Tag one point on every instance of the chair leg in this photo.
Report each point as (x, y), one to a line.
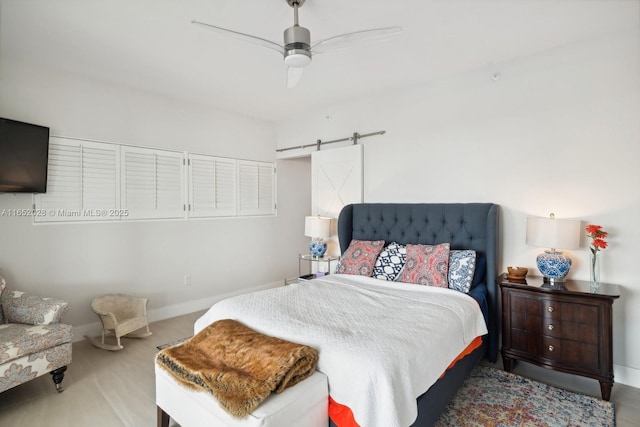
(118, 338)
(163, 418)
(58, 375)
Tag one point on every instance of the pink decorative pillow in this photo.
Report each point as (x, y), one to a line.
(360, 257)
(427, 265)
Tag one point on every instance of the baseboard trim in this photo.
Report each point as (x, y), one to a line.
(167, 312)
(626, 375)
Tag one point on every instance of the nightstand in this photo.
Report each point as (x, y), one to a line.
(311, 259)
(565, 328)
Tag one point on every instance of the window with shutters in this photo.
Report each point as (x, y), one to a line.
(152, 183)
(256, 189)
(89, 181)
(83, 182)
(212, 186)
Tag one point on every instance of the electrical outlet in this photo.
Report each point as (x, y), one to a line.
(187, 280)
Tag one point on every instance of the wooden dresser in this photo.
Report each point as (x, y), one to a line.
(565, 328)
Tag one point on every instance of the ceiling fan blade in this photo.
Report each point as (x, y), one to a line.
(344, 41)
(241, 36)
(293, 76)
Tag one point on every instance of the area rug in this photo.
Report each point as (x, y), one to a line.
(172, 343)
(495, 398)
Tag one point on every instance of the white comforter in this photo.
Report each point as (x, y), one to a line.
(382, 344)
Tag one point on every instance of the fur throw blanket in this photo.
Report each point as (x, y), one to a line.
(238, 365)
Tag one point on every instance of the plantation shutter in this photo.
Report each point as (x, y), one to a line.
(82, 182)
(89, 181)
(212, 182)
(256, 187)
(152, 183)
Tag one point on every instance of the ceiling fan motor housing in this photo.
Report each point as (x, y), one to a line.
(297, 46)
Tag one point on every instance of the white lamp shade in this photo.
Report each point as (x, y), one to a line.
(317, 226)
(553, 233)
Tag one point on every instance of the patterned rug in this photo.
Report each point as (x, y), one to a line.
(495, 398)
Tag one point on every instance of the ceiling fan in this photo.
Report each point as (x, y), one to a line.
(297, 48)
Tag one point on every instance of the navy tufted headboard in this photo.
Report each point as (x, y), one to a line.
(463, 225)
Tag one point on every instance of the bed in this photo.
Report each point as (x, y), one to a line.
(342, 315)
(464, 225)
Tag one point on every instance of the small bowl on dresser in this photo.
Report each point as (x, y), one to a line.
(518, 274)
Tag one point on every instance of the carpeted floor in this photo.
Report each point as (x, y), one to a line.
(495, 398)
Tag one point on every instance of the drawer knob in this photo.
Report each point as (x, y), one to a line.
(551, 348)
(550, 327)
(550, 309)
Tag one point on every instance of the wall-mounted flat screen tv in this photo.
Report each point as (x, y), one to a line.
(24, 155)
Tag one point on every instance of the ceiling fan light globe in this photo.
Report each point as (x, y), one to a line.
(297, 58)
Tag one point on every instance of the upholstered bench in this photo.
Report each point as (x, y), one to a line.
(303, 405)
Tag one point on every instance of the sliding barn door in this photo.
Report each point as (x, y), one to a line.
(336, 180)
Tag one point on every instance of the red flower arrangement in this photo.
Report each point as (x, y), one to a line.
(598, 237)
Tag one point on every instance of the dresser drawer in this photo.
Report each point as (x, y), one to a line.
(572, 353)
(575, 312)
(576, 331)
(526, 342)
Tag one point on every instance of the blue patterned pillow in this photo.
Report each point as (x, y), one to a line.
(390, 262)
(481, 269)
(462, 264)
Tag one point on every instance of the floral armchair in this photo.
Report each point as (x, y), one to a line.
(32, 339)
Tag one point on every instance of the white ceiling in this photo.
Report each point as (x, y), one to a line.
(152, 45)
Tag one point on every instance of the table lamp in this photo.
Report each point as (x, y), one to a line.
(318, 228)
(554, 234)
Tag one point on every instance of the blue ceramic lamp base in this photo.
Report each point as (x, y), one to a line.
(318, 247)
(554, 266)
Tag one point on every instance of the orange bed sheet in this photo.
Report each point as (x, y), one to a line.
(342, 416)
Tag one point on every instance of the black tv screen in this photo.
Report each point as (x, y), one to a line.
(24, 154)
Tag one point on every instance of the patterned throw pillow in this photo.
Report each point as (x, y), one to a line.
(360, 257)
(390, 262)
(3, 284)
(462, 264)
(20, 307)
(427, 265)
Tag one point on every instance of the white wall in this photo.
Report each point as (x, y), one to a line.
(80, 261)
(559, 132)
